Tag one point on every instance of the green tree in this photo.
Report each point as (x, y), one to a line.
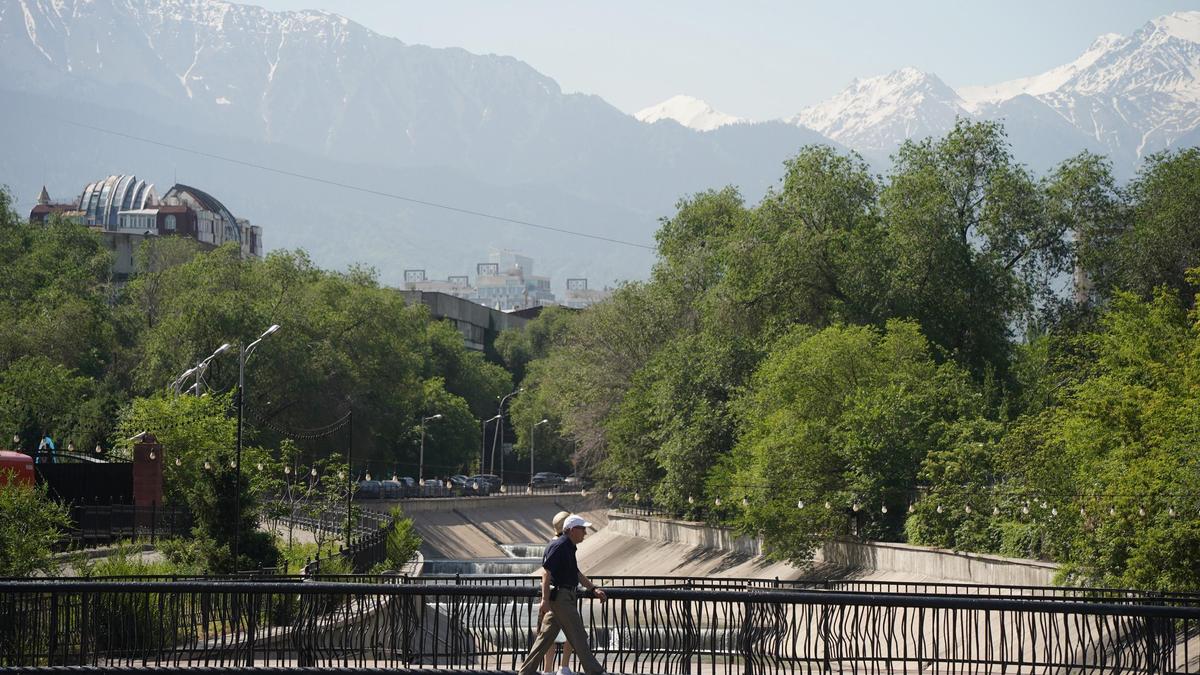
(30, 525)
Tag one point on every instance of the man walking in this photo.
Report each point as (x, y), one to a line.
(560, 577)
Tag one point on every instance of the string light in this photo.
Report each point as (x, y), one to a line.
(800, 504)
(287, 469)
(745, 502)
(717, 501)
(939, 508)
(1054, 511)
(1171, 512)
(995, 510)
(1082, 513)
(911, 508)
(1025, 509)
(207, 465)
(828, 506)
(855, 506)
(1112, 510)
(151, 455)
(637, 496)
(967, 508)
(178, 462)
(691, 499)
(259, 466)
(609, 495)
(1141, 511)
(883, 509)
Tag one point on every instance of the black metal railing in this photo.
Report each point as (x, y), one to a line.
(367, 547)
(395, 624)
(102, 524)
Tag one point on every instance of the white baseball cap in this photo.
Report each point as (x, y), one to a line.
(574, 521)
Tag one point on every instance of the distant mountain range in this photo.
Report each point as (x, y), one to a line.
(313, 93)
(1124, 97)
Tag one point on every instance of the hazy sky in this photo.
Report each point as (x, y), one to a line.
(748, 57)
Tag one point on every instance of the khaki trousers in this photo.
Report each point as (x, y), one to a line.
(563, 614)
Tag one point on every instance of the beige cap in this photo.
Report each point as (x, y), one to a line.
(559, 518)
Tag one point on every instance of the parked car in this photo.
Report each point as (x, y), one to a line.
(392, 489)
(547, 478)
(492, 481)
(369, 489)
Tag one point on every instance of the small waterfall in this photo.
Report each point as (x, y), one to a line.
(524, 550)
(484, 566)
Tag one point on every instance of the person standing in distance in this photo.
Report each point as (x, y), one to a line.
(557, 611)
(559, 638)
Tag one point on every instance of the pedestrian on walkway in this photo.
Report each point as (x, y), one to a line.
(558, 611)
(560, 638)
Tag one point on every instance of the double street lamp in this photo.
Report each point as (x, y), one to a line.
(240, 399)
(500, 433)
(421, 466)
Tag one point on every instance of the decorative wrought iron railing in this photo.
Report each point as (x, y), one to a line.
(397, 624)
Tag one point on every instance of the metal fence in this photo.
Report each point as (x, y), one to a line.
(101, 524)
(395, 624)
(368, 543)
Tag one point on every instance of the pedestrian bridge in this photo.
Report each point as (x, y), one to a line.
(649, 625)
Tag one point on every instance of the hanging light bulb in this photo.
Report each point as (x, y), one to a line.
(178, 462)
(1044, 504)
(1054, 511)
(368, 475)
(259, 466)
(911, 508)
(232, 464)
(1112, 510)
(207, 465)
(1082, 513)
(967, 508)
(609, 495)
(691, 499)
(583, 492)
(995, 510)
(717, 501)
(287, 469)
(313, 473)
(800, 504)
(1171, 512)
(745, 502)
(395, 478)
(97, 446)
(341, 474)
(939, 508)
(883, 509)
(1141, 511)
(828, 506)
(637, 496)
(151, 455)
(855, 506)
(1025, 509)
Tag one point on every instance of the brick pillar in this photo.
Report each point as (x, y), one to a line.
(147, 472)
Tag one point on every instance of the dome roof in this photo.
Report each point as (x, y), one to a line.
(201, 200)
(102, 200)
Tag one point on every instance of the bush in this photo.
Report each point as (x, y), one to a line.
(402, 542)
(30, 525)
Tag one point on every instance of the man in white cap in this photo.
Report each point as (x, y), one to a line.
(560, 578)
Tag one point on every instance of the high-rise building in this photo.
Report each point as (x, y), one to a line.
(507, 282)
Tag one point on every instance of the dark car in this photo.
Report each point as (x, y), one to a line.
(369, 489)
(548, 478)
(392, 489)
(492, 481)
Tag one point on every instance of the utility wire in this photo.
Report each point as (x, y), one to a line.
(356, 188)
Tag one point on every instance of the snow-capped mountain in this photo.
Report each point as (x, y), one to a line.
(1125, 96)
(872, 113)
(688, 111)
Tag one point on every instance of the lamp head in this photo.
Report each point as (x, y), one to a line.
(274, 327)
(222, 349)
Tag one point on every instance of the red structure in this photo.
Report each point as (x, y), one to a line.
(19, 465)
(147, 472)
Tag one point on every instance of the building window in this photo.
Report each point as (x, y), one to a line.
(170, 222)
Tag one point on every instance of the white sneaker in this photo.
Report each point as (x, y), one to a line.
(565, 671)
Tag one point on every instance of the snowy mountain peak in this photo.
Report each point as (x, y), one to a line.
(871, 113)
(688, 111)
(1049, 81)
(1183, 25)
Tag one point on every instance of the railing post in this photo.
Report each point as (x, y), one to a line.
(53, 628)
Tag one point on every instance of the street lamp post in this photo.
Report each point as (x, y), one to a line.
(421, 465)
(245, 353)
(500, 432)
(532, 427)
(483, 442)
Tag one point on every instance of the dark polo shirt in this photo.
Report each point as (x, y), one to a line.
(559, 560)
